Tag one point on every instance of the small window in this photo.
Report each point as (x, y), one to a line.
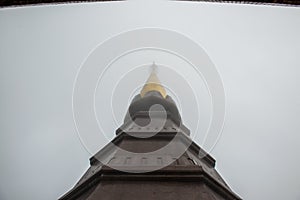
(144, 161)
(159, 161)
(127, 161)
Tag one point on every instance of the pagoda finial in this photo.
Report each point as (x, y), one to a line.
(153, 83)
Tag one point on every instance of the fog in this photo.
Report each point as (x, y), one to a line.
(254, 48)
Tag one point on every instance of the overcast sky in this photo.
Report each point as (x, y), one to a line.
(254, 48)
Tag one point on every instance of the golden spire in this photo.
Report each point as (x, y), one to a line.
(153, 84)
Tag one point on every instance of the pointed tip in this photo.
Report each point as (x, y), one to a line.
(153, 83)
(153, 67)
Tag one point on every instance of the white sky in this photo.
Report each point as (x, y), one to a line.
(255, 49)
